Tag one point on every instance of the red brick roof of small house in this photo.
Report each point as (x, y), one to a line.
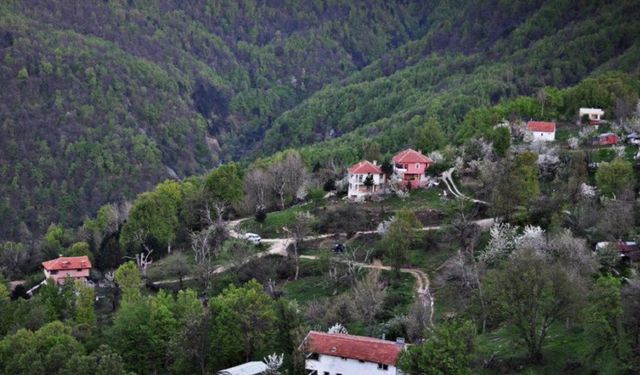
(67, 263)
(411, 156)
(365, 167)
(608, 138)
(541, 126)
(354, 347)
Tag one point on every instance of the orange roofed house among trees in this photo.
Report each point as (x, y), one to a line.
(59, 269)
(411, 167)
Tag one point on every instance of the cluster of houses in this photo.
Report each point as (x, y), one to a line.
(545, 131)
(409, 171)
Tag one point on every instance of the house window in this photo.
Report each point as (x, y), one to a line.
(326, 373)
(360, 178)
(314, 356)
(417, 165)
(344, 358)
(54, 272)
(382, 366)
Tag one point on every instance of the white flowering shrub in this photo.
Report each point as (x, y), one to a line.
(436, 156)
(501, 244)
(587, 191)
(573, 143)
(274, 362)
(338, 328)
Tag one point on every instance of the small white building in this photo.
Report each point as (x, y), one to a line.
(341, 354)
(595, 114)
(249, 368)
(358, 175)
(541, 131)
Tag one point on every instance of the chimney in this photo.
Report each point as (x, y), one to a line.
(375, 162)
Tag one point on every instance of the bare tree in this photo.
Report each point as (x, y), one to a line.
(142, 258)
(257, 186)
(468, 235)
(300, 228)
(616, 220)
(368, 295)
(286, 177)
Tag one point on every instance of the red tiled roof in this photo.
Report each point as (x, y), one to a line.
(411, 156)
(64, 263)
(365, 167)
(353, 347)
(541, 126)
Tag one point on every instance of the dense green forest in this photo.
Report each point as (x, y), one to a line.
(102, 100)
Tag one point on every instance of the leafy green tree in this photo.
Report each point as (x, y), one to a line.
(79, 249)
(45, 351)
(142, 333)
(59, 300)
(5, 310)
(501, 139)
(532, 292)
(103, 361)
(243, 323)
(54, 240)
(519, 186)
(368, 182)
(224, 185)
(400, 235)
(23, 74)
(614, 177)
(154, 217)
(85, 313)
(128, 278)
(448, 349)
(609, 343)
(429, 136)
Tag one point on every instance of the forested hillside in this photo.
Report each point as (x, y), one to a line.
(486, 52)
(102, 100)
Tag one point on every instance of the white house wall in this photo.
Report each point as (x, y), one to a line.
(337, 365)
(356, 181)
(543, 136)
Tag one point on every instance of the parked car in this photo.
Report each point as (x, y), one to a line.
(338, 248)
(253, 238)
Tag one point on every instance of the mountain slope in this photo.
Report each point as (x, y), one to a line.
(557, 44)
(101, 100)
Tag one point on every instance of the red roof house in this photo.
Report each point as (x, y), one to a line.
(365, 167)
(606, 139)
(411, 166)
(358, 175)
(355, 354)
(542, 130)
(74, 267)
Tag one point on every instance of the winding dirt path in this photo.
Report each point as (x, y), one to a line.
(278, 246)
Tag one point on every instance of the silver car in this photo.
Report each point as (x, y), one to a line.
(253, 238)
